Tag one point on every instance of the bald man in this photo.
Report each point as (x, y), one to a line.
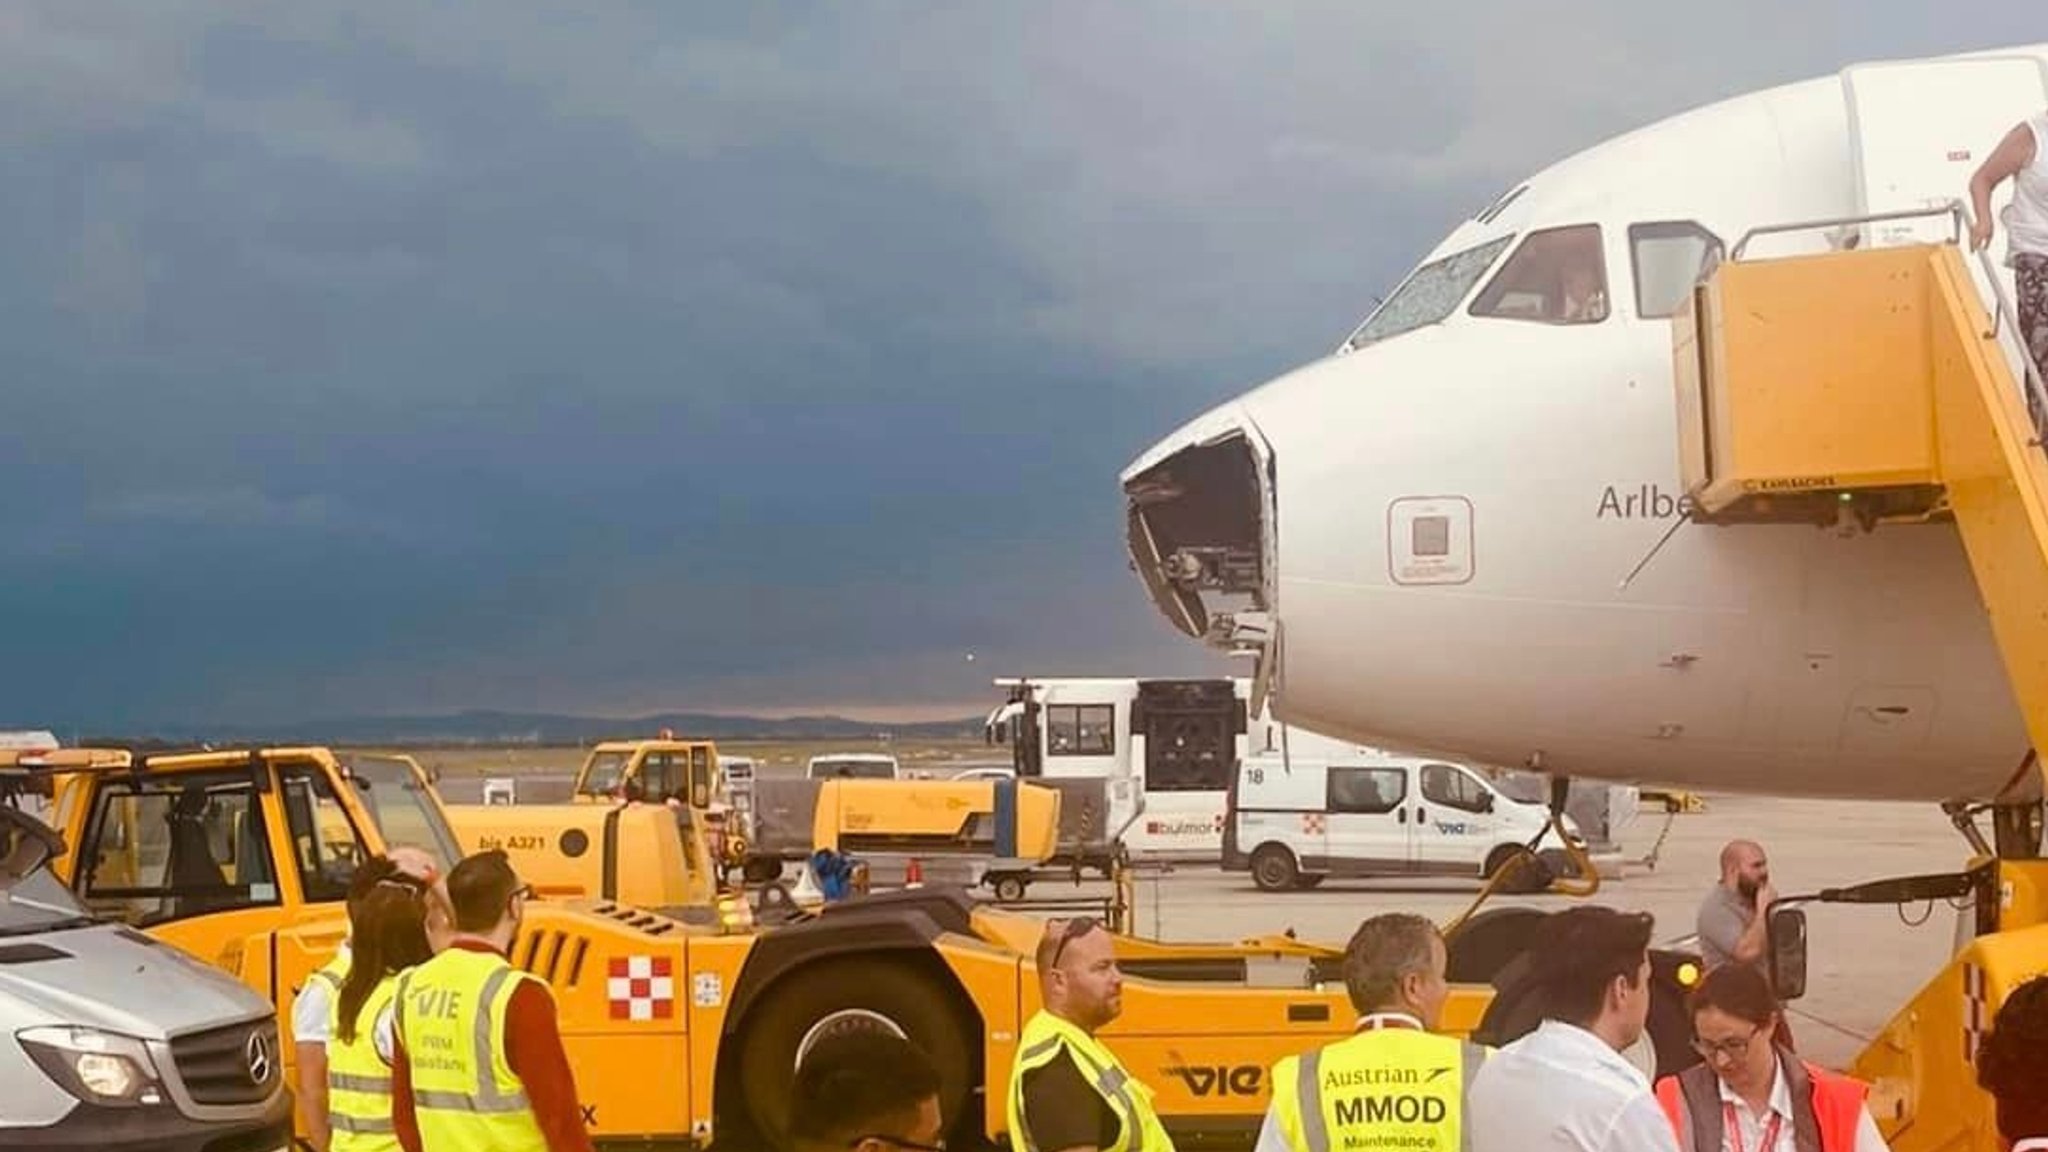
(1731, 922)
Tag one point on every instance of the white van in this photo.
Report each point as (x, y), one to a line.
(1370, 813)
(853, 766)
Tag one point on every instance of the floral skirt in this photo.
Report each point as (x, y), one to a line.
(2030, 283)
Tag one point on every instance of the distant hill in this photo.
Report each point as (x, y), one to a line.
(499, 728)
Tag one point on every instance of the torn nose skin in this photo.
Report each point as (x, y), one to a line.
(1196, 509)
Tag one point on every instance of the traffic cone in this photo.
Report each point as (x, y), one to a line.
(913, 876)
(807, 890)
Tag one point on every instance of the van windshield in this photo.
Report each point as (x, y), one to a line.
(1431, 293)
(31, 899)
(37, 903)
(1523, 788)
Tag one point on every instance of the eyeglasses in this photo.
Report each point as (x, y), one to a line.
(1734, 1049)
(1076, 928)
(896, 1142)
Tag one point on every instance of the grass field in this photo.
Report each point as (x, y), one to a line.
(781, 757)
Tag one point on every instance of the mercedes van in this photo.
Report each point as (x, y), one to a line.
(112, 1041)
(1294, 821)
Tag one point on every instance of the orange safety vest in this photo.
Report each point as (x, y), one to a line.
(1826, 1107)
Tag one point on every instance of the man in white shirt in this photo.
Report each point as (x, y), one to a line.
(1565, 1086)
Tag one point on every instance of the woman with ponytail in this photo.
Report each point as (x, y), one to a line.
(313, 1008)
(387, 935)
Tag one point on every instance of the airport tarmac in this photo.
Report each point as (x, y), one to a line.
(1865, 961)
(1863, 964)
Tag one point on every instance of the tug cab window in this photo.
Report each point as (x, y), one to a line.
(606, 770)
(1557, 276)
(158, 850)
(401, 806)
(661, 776)
(1669, 257)
(325, 843)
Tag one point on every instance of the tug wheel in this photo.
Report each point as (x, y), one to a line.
(1526, 873)
(823, 999)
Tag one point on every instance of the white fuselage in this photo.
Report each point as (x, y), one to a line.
(1774, 659)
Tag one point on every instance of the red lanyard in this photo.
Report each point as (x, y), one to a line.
(1734, 1130)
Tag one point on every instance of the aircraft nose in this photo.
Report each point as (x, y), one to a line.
(1198, 527)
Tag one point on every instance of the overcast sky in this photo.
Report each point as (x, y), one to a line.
(619, 357)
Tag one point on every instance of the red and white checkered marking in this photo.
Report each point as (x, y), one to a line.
(1312, 823)
(1976, 1011)
(642, 988)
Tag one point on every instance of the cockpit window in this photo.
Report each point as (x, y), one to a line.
(1670, 257)
(1557, 276)
(1428, 295)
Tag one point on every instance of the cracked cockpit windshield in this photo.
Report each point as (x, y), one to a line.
(1430, 294)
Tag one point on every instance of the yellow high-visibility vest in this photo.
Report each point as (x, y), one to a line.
(1045, 1036)
(330, 974)
(1404, 1086)
(451, 1019)
(358, 1080)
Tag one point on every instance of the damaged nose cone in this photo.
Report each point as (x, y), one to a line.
(1199, 529)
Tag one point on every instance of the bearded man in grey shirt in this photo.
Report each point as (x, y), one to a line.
(1731, 923)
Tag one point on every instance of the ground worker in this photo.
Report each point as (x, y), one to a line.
(1750, 1094)
(478, 1064)
(1566, 1087)
(1731, 921)
(1067, 1090)
(387, 923)
(1734, 921)
(2012, 1065)
(866, 1091)
(1393, 1080)
(313, 1010)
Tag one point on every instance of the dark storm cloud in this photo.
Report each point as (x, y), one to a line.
(406, 357)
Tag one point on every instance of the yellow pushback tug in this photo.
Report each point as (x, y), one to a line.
(685, 1015)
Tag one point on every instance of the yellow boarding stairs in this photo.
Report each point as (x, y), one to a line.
(1867, 387)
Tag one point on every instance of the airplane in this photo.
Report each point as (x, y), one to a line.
(1463, 532)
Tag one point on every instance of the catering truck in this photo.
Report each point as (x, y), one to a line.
(1166, 748)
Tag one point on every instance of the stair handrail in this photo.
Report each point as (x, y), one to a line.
(2001, 314)
(1952, 209)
